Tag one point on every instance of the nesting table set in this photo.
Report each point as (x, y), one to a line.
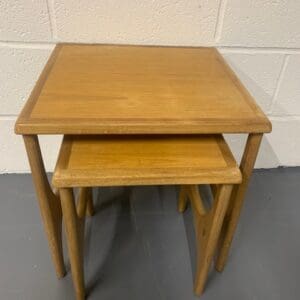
(141, 115)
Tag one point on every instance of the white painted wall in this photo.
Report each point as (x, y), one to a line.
(259, 38)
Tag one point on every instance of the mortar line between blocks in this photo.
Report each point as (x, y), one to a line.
(220, 20)
(8, 117)
(52, 19)
(27, 45)
(257, 50)
(284, 118)
(278, 83)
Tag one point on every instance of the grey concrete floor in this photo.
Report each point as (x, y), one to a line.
(138, 247)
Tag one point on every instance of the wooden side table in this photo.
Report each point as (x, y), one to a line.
(106, 89)
(187, 160)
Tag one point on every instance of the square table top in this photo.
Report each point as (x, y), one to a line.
(110, 89)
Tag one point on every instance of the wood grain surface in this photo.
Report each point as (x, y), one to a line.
(106, 89)
(138, 160)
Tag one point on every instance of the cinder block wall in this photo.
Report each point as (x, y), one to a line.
(259, 38)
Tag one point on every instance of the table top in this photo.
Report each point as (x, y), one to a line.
(113, 160)
(110, 89)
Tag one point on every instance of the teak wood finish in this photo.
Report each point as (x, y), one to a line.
(89, 89)
(106, 89)
(207, 224)
(134, 160)
(49, 203)
(144, 160)
(237, 198)
(74, 220)
(74, 224)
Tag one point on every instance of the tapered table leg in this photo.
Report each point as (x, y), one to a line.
(49, 203)
(90, 204)
(74, 223)
(237, 199)
(182, 200)
(208, 224)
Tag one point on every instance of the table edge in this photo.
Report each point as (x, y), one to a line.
(25, 125)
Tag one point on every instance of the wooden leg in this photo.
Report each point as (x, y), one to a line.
(85, 203)
(74, 233)
(237, 198)
(214, 189)
(207, 226)
(90, 205)
(49, 203)
(182, 200)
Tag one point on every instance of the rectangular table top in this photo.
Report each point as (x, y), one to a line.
(144, 160)
(109, 89)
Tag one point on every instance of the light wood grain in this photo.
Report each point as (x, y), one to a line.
(101, 89)
(237, 199)
(208, 224)
(74, 220)
(85, 204)
(74, 232)
(49, 203)
(104, 89)
(182, 199)
(139, 160)
(90, 205)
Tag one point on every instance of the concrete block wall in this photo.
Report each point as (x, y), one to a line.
(259, 38)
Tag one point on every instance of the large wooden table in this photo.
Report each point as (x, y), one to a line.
(105, 89)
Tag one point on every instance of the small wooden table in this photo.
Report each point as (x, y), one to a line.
(105, 89)
(188, 160)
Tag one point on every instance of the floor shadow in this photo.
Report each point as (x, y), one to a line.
(111, 205)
